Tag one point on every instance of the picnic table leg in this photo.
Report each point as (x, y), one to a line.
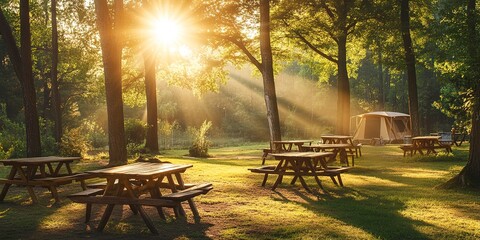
(6, 186)
(312, 169)
(190, 201)
(282, 167)
(155, 192)
(180, 209)
(109, 209)
(147, 220)
(105, 217)
(24, 178)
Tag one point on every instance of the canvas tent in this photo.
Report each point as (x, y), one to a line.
(387, 126)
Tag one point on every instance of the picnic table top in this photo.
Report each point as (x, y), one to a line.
(293, 141)
(337, 136)
(329, 145)
(140, 170)
(38, 160)
(302, 154)
(426, 138)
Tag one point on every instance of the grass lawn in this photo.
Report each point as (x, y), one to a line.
(386, 196)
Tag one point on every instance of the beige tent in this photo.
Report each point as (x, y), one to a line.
(385, 126)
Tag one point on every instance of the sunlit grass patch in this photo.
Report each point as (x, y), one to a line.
(386, 196)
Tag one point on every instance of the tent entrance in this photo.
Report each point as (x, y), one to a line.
(372, 127)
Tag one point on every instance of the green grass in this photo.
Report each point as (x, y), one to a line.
(386, 196)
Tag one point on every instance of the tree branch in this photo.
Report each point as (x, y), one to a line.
(244, 49)
(318, 51)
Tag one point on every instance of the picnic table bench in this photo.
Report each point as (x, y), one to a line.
(299, 165)
(138, 185)
(429, 144)
(40, 172)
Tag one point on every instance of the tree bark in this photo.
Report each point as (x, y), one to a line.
(381, 82)
(343, 88)
(151, 143)
(110, 38)
(470, 174)
(267, 72)
(410, 62)
(22, 63)
(56, 101)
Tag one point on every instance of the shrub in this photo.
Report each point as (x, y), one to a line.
(200, 144)
(49, 145)
(74, 143)
(96, 135)
(135, 131)
(12, 136)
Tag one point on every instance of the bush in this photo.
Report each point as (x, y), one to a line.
(96, 135)
(12, 137)
(200, 144)
(49, 145)
(74, 143)
(135, 131)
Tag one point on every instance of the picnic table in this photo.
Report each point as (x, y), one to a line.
(300, 165)
(425, 143)
(343, 139)
(129, 185)
(49, 172)
(283, 146)
(286, 145)
(337, 149)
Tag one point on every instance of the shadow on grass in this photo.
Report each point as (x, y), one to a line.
(377, 216)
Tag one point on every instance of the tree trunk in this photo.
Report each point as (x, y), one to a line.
(343, 88)
(56, 101)
(151, 143)
(267, 72)
(29, 95)
(381, 82)
(110, 39)
(410, 61)
(22, 64)
(470, 174)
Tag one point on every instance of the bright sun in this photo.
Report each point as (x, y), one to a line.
(167, 31)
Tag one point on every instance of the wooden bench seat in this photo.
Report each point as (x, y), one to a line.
(407, 148)
(329, 171)
(161, 185)
(172, 200)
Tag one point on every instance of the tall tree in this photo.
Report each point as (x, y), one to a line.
(267, 72)
(410, 62)
(56, 101)
(22, 63)
(151, 142)
(111, 41)
(470, 174)
(323, 26)
(235, 23)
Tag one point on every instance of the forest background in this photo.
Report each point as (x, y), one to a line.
(232, 98)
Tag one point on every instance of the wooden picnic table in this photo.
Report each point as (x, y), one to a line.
(47, 172)
(128, 185)
(343, 139)
(337, 149)
(429, 144)
(286, 145)
(336, 139)
(300, 165)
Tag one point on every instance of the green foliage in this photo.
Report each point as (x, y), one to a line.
(200, 144)
(12, 136)
(49, 145)
(135, 131)
(74, 143)
(96, 135)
